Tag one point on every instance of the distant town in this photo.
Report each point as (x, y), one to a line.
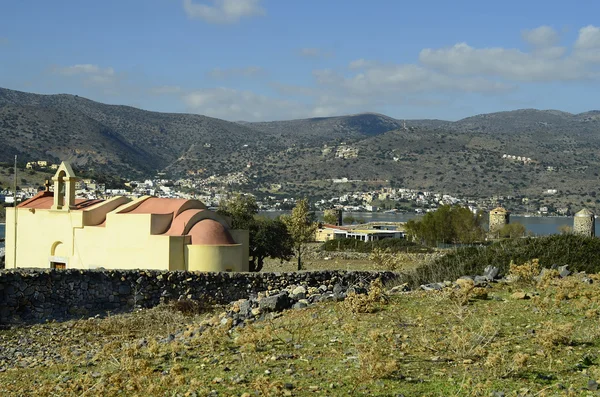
(214, 189)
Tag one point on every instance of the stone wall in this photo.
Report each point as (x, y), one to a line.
(29, 295)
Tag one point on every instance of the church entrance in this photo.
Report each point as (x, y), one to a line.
(58, 265)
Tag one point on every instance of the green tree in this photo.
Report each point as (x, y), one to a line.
(348, 220)
(512, 230)
(241, 209)
(330, 216)
(268, 237)
(301, 227)
(565, 229)
(449, 225)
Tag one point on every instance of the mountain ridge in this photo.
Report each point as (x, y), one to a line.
(302, 155)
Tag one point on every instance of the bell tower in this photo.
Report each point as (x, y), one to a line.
(64, 187)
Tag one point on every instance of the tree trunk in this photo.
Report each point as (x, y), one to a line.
(299, 261)
(258, 267)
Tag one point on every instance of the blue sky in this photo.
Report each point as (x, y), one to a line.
(282, 59)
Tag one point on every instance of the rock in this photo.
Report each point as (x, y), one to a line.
(520, 295)
(257, 311)
(432, 287)
(299, 290)
(491, 272)
(299, 305)
(465, 282)
(338, 289)
(275, 303)
(399, 288)
(237, 379)
(124, 289)
(592, 385)
(563, 271)
(356, 290)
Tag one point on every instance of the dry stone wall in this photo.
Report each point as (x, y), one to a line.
(30, 295)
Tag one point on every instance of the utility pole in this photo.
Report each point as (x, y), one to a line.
(15, 217)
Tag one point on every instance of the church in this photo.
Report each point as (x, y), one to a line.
(56, 230)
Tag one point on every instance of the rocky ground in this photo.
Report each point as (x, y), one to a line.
(531, 332)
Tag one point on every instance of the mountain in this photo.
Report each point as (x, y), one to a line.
(120, 138)
(300, 157)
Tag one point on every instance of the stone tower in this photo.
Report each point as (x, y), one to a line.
(499, 217)
(584, 223)
(337, 213)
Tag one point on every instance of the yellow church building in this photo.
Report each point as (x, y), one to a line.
(57, 230)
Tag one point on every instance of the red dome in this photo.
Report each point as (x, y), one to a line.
(210, 232)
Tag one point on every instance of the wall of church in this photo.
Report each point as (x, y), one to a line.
(125, 242)
(42, 236)
(214, 258)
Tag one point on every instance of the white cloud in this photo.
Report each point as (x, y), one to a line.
(589, 38)
(361, 64)
(315, 53)
(587, 46)
(235, 105)
(548, 64)
(249, 71)
(87, 68)
(91, 74)
(440, 77)
(223, 11)
(166, 90)
(404, 78)
(543, 36)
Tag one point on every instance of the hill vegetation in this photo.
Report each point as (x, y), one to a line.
(578, 252)
(301, 157)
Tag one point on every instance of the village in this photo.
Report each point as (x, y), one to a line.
(214, 189)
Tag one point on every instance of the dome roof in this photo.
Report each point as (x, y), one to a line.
(585, 212)
(210, 232)
(499, 210)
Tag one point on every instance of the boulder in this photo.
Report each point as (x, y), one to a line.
(275, 303)
(491, 272)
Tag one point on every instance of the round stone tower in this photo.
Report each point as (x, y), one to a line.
(584, 223)
(337, 213)
(499, 217)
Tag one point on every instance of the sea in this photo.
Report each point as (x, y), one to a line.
(536, 225)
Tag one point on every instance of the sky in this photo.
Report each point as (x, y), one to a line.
(261, 60)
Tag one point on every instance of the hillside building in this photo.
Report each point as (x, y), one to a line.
(55, 230)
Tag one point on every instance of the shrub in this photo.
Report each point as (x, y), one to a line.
(390, 244)
(579, 252)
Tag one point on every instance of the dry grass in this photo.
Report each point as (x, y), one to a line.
(421, 343)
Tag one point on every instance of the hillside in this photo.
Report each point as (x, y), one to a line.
(119, 138)
(302, 156)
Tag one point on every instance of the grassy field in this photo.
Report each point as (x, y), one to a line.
(527, 338)
(316, 260)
